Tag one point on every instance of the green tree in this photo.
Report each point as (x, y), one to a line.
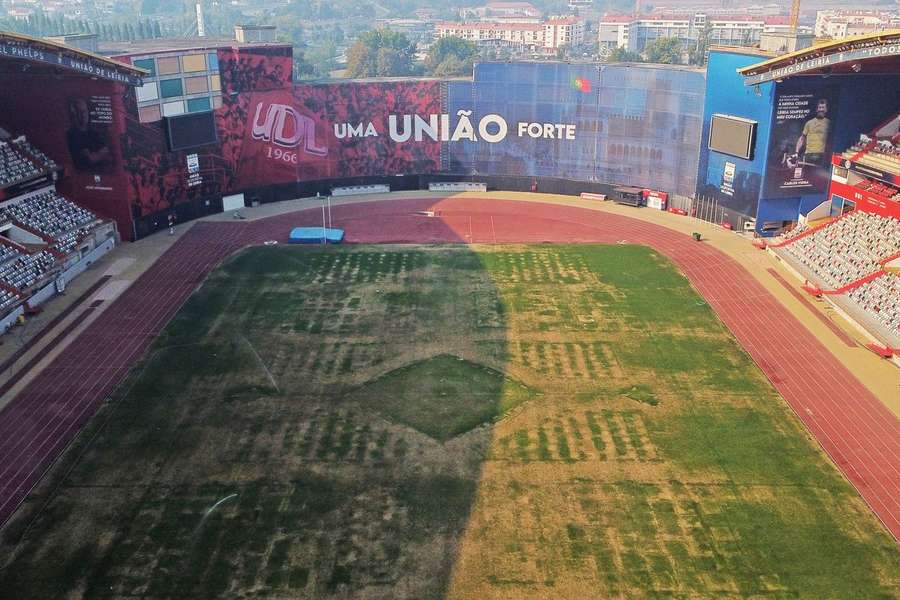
(697, 54)
(381, 53)
(322, 59)
(452, 67)
(623, 55)
(451, 56)
(337, 35)
(664, 50)
(303, 68)
(390, 62)
(290, 30)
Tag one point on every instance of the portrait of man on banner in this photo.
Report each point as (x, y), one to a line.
(800, 148)
(812, 143)
(87, 139)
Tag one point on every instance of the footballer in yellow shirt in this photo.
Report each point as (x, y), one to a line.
(814, 138)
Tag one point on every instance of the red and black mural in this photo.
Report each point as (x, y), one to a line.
(160, 180)
(76, 121)
(255, 69)
(272, 132)
(157, 179)
(325, 131)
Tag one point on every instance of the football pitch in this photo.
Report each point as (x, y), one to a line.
(548, 421)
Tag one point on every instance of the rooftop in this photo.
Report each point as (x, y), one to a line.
(855, 12)
(49, 54)
(877, 50)
(625, 18)
(511, 6)
(492, 26)
(174, 45)
(744, 50)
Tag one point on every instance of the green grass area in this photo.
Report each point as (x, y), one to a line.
(442, 396)
(447, 422)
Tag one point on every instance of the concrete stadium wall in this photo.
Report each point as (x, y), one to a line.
(42, 295)
(87, 260)
(9, 320)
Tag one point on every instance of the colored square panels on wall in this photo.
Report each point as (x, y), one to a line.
(178, 84)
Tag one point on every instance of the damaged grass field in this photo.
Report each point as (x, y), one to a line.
(447, 422)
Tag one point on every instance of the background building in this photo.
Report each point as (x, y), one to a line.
(836, 24)
(548, 35)
(510, 12)
(635, 33)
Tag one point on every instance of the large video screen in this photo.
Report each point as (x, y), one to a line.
(191, 130)
(732, 135)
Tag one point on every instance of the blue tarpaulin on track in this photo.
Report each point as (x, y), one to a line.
(316, 235)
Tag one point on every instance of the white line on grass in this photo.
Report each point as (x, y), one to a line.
(262, 364)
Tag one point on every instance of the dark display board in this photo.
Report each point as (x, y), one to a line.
(732, 135)
(191, 130)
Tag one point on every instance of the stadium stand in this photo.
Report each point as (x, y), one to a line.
(7, 300)
(49, 213)
(28, 149)
(847, 249)
(882, 189)
(8, 253)
(880, 297)
(14, 167)
(60, 225)
(66, 242)
(879, 153)
(24, 271)
(797, 230)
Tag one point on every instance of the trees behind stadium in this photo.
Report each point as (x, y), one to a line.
(381, 53)
(386, 53)
(451, 56)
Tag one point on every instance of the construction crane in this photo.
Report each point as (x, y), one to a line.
(795, 16)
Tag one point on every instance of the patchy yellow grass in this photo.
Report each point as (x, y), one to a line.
(449, 422)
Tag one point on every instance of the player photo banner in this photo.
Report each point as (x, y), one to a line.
(801, 141)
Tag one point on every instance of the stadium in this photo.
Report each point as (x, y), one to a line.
(557, 330)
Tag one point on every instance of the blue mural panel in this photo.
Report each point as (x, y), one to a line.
(736, 183)
(636, 125)
(532, 94)
(650, 123)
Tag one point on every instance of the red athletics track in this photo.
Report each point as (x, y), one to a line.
(859, 433)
